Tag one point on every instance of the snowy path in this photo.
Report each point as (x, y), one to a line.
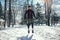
(20, 33)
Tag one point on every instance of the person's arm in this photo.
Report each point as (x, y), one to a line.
(34, 14)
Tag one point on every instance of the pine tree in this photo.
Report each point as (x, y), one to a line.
(38, 12)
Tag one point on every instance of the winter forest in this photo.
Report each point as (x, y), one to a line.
(14, 26)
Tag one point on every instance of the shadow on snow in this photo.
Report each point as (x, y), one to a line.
(25, 38)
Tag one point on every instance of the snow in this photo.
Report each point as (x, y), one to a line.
(19, 32)
(1, 20)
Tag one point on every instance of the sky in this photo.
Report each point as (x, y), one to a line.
(2, 1)
(57, 6)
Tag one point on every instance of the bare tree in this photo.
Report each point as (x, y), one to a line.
(10, 13)
(0, 9)
(5, 8)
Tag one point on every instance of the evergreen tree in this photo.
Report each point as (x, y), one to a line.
(38, 12)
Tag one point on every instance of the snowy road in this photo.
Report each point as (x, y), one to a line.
(20, 33)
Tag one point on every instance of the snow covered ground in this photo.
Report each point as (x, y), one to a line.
(20, 33)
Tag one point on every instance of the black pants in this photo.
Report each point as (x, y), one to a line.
(30, 22)
(29, 25)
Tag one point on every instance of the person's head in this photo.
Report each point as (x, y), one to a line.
(29, 7)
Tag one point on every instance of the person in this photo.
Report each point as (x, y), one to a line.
(29, 14)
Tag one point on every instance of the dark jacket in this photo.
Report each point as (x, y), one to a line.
(29, 14)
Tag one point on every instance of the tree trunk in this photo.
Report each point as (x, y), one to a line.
(10, 14)
(5, 8)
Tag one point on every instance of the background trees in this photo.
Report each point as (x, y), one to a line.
(0, 9)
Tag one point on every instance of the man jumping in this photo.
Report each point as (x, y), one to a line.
(29, 14)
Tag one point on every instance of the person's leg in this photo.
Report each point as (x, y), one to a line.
(28, 28)
(32, 28)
